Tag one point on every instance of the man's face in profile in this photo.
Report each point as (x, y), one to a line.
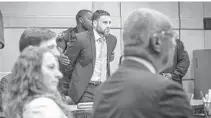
(87, 21)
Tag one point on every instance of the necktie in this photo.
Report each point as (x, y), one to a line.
(102, 57)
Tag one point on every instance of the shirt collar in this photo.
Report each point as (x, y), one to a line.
(144, 62)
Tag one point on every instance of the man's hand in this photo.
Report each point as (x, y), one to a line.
(167, 75)
(64, 59)
(69, 101)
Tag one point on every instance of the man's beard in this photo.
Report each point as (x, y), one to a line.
(168, 60)
(105, 32)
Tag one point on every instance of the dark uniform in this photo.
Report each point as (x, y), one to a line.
(180, 64)
(66, 36)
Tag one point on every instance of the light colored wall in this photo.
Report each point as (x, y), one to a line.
(187, 18)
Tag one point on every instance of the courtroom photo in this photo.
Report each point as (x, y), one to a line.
(105, 59)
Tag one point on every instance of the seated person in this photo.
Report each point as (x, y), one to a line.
(34, 37)
(32, 89)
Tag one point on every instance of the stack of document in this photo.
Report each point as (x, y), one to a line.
(85, 105)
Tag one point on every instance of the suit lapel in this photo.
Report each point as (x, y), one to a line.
(92, 40)
(109, 48)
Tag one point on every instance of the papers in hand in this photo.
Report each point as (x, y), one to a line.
(85, 105)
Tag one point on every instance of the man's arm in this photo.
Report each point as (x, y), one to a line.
(72, 52)
(183, 62)
(173, 102)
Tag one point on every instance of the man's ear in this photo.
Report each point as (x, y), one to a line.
(155, 42)
(81, 19)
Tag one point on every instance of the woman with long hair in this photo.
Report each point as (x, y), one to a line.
(32, 89)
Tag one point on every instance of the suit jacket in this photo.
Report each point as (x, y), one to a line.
(82, 56)
(134, 92)
(181, 63)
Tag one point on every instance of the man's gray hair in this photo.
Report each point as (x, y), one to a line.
(141, 25)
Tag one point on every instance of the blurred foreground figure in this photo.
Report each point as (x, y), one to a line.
(34, 37)
(32, 89)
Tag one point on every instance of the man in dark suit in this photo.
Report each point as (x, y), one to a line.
(84, 23)
(135, 90)
(180, 64)
(89, 56)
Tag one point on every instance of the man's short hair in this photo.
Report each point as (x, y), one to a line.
(81, 13)
(140, 26)
(35, 36)
(96, 15)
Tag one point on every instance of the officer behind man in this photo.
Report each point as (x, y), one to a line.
(84, 23)
(180, 63)
(83, 20)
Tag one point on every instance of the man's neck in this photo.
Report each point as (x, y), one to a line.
(101, 35)
(143, 61)
(80, 28)
(145, 54)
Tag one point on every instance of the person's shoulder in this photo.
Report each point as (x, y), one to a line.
(145, 79)
(69, 30)
(170, 84)
(42, 101)
(82, 36)
(42, 107)
(84, 33)
(65, 32)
